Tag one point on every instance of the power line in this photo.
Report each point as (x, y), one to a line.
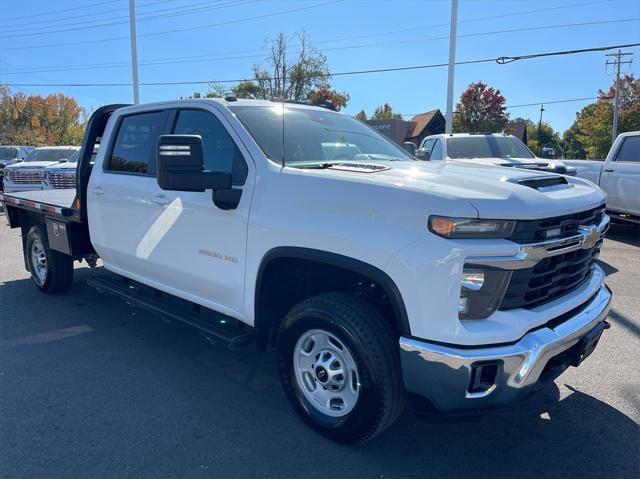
(336, 74)
(185, 29)
(93, 14)
(53, 12)
(204, 58)
(120, 20)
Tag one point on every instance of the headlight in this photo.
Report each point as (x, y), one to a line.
(470, 228)
(481, 292)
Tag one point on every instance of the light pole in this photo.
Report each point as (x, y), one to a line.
(539, 130)
(134, 51)
(453, 28)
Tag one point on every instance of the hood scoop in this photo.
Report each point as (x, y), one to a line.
(542, 183)
(359, 167)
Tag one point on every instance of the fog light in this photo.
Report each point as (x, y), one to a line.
(473, 280)
(481, 292)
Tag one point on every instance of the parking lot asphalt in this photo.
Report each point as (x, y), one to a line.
(90, 387)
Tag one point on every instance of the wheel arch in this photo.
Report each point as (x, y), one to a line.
(337, 263)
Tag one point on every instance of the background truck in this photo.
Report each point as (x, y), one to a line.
(498, 149)
(377, 277)
(618, 176)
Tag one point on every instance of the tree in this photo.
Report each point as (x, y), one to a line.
(590, 134)
(384, 112)
(214, 90)
(481, 109)
(35, 120)
(548, 136)
(246, 89)
(294, 81)
(361, 115)
(319, 97)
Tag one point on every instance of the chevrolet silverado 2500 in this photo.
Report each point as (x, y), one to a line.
(377, 277)
(618, 176)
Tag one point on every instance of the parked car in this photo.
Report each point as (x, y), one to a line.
(487, 148)
(376, 279)
(61, 175)
(618, 175)
(10, 155)
(29, 174)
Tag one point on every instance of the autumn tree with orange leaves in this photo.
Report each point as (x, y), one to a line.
(35, 120)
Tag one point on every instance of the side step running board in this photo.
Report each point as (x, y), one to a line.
(215, 324)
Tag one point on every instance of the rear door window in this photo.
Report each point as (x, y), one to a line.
(134, 148)
(630, 150)
(436, 152)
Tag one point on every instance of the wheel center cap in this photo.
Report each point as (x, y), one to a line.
(321, 374)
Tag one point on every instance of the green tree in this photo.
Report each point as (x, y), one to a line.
(318, 97)
(548, 136)
(590, 134)
(246, 89)
(361, 115)
(481, 109)
(384, 112)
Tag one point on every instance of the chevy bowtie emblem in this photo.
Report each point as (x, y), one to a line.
(591, 236)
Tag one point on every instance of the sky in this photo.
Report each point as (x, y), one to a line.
(74, 41)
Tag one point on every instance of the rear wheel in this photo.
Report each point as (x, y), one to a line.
(339, 366)
(51, 271)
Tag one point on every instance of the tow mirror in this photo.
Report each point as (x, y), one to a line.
(423, 153)
(410, 147)
(180, 167)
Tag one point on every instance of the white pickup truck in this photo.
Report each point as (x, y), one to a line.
(377, 277)
(618, 176)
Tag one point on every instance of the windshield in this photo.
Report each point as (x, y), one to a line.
(50, 154)
(485, 146)
(314, 136)
(74, 158)
(8, 153)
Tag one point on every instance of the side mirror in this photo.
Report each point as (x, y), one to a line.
(423, 153)
(180, 165)
(410, 147)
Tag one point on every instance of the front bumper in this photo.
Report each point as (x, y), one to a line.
(447, 375)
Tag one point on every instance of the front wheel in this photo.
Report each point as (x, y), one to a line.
(339, 366)
(51, 271)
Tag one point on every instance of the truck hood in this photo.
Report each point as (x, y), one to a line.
(62, 166)
(495, 192)
(33, 165)
(517, 162)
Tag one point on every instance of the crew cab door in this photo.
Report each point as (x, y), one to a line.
(621, 177)
(194, 248)
(120, 212)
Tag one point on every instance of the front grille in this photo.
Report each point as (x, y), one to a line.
(24, 177)
(62, 180)
(534, 231)
(550, 278)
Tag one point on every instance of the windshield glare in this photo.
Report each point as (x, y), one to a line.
(50, 154)
(8, 153)
(314, 136)
(487, 147)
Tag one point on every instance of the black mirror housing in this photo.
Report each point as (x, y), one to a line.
(409, 147)
(180, 165)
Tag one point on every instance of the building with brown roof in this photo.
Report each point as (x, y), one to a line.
(415, 130)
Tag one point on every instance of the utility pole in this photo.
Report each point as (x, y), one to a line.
(540, 130)
(453, 29)
(616, 101)
(134, 51)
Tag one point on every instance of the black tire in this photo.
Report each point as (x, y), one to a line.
(371, 342)
(58, 266)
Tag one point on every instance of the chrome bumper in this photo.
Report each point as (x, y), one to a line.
(444, 373)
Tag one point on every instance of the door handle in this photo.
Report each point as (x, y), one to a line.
(97, 191)
(608, 170)
(159, 200)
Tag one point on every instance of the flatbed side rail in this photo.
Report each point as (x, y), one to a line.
(36, 206)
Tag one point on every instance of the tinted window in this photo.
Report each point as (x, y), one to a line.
(8, 153)
(308, 132)
(51, 154)
(220, 151)
(487, 146)
(436, 152)
(428, 144)
(136, 142)
(630, 149)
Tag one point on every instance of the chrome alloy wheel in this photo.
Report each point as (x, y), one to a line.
(326, 373)
(38, 262)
